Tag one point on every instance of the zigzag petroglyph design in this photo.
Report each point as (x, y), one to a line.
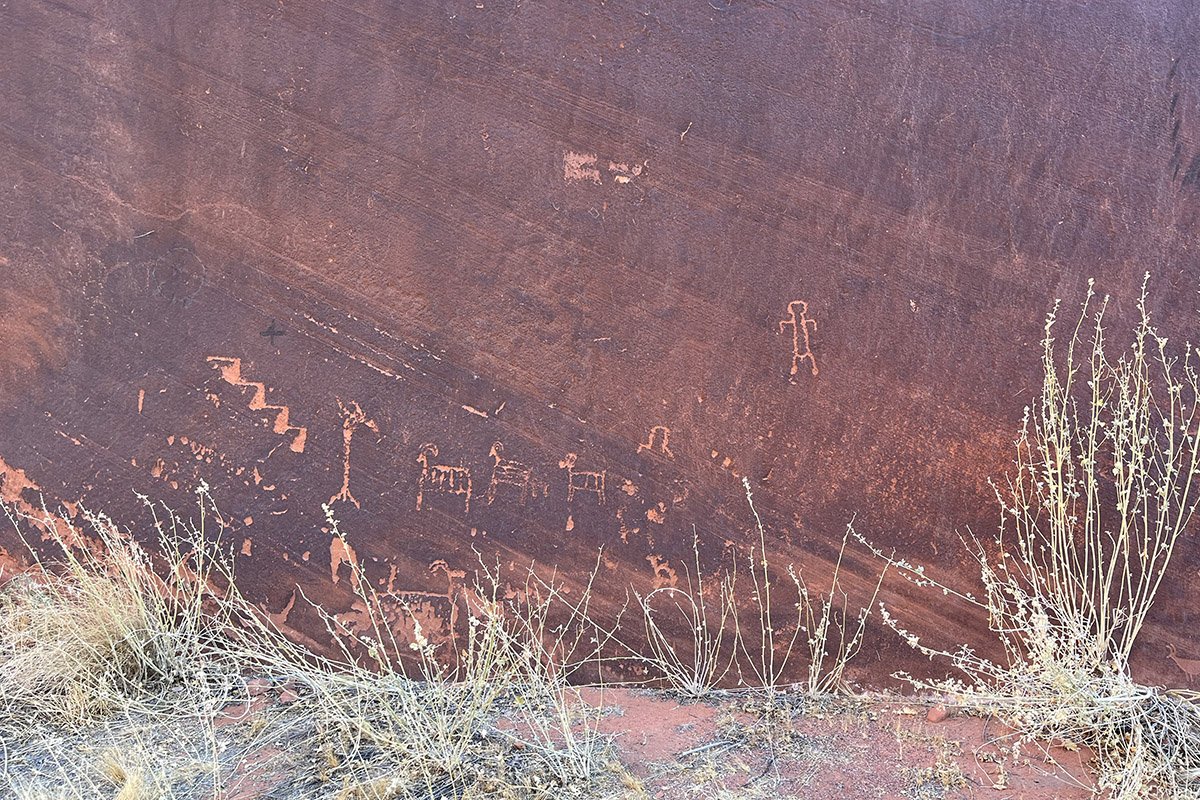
(231, 372)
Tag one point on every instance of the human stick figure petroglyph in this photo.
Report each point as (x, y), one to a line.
(442, 478)
(507, 472)
(352, 417)
(798, 319)
(578, 481)
(659, 441)
(231, 372)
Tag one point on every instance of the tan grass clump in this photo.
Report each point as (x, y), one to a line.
(104, 635)
(103, 639)
(97, 630)
(129, 779)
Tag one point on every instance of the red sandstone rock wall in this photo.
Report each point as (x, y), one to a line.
(556, 276)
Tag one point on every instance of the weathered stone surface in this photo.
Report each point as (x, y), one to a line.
(606, 258)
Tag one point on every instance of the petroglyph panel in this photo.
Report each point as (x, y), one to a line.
(531, 287)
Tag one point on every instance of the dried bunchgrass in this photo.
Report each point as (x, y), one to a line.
(98, 630)
(485, 712)
(102, 636)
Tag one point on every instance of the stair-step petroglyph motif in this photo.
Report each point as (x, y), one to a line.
(231, 372)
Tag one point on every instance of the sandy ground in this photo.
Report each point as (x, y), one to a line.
(735, 746)
(835, 750)
(270, 746)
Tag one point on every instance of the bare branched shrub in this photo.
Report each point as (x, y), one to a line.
(699, 635)
(832, 635)
(823, 620)
(102, 635)
(705, 656)
(104, 631)
(1102, 492)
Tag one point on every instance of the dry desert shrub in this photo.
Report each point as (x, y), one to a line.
(489, 713)
(1102, 492)
(699, 636)
(150, 650)
(102, 637)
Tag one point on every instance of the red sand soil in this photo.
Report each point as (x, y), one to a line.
(730, 747)
(876, 750)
